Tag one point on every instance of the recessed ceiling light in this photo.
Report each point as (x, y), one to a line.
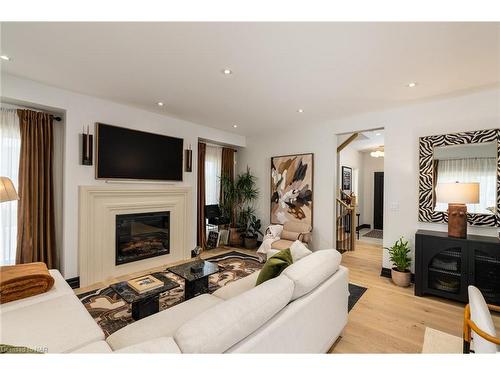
(235, 126)
(412, 84)
(377, 133)
(227, 71)
(300, 110)
(5, 57)
(160, 104)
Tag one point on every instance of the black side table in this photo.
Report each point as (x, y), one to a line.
(144, 304)
(196, 283)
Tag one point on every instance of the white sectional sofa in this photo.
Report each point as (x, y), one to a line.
(301, 311)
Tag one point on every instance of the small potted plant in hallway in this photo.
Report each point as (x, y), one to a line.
(398, 253)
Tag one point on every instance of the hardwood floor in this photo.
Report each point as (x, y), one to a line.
(390, 319)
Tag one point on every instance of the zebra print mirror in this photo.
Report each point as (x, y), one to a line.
(428, 176)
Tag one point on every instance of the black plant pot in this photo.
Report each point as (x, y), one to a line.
(250, 242)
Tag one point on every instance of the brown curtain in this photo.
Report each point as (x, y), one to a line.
(35, 219)
(201, 231)
(227, 166)
(228, 162)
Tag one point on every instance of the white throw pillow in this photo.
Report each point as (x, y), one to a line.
(275, 230)
(299, 250)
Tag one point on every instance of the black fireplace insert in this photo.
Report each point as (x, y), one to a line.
(141, 236)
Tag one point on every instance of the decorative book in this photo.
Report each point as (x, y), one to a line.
(145, 284)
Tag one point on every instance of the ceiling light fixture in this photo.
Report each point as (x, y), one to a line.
(377, 133)
(412, 84)
(227, 71)
(5, 57)
(160, 104)
(235, 126)
(378, 153)
(300, 110)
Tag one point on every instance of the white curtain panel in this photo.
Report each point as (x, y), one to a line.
(213, 166)
(482, 170)
(10, 148)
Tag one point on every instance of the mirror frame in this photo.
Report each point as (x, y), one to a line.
(427, 144)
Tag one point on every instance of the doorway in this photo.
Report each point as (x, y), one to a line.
(378, 201)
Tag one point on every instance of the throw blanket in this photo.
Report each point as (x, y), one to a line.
(273, 233)
(24, 280)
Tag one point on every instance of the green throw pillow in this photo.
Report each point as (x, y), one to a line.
(274, 266)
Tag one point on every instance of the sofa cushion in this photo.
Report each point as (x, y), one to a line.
(57, 325)
(164, 323)
(231, 321)
(59, 288)
(94, 347)
(290, 236)
(164, 345)
(281, 244)
(312, 270)
(274, 266)
(294, 226)
(237, 287)
(299, 251)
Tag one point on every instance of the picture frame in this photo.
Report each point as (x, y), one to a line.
(346, 179)
(292, 184)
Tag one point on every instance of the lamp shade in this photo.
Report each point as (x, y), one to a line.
(456, 192)
(7, 190)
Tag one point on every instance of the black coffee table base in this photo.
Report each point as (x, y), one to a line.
(145, 307)
(195, 288)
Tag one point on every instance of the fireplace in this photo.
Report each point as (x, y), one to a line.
(141, 236)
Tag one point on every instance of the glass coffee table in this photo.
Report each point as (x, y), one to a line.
(144, 304)
(196, 280)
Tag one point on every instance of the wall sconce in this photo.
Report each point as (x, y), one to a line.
(189, 159)
(87, 147)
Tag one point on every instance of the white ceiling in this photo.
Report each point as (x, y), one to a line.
(369, 140)
(331, 70)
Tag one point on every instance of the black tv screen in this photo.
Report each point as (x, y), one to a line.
(123, 153)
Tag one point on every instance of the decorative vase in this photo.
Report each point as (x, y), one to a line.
(401, 278)
(250, 242)
(234, 237)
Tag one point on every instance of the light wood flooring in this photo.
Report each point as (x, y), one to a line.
(388, 318)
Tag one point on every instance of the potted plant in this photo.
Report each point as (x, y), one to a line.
(250, 228)
(398, 253)
(236, 196)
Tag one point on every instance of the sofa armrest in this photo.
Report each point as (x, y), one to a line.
(305, 237)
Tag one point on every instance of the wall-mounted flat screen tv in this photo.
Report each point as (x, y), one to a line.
(131, 154)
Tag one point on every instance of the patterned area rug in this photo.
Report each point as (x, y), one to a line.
(375, 233)
(111, 312)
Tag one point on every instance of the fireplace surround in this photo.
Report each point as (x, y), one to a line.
(98, 208)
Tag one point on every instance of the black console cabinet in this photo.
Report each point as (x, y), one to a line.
(445, 266)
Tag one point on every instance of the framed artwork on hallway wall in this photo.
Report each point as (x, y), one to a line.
(346, 179)
(292, 188)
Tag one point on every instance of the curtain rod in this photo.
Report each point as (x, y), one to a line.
(54, 117)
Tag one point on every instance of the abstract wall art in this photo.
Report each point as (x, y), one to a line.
(292, 188)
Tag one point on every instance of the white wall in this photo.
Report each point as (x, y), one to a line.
(82, 110)
(402, 128)
(370, 166)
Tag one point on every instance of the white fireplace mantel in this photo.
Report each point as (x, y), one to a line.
(99, 206)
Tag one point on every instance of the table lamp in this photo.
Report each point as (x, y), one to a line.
(457, 195)
(7, 190)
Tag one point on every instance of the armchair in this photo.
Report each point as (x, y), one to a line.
(478, 324)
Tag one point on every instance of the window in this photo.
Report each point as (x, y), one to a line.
(10, 148)
(213, 165)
